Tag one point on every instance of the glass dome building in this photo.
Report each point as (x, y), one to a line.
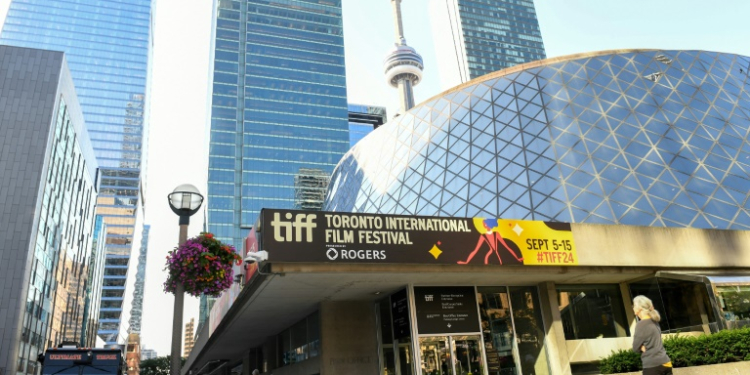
(635, 137)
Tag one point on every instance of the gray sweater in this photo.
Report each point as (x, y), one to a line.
(648, 334)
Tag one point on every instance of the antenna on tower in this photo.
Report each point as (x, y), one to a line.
(403, 65)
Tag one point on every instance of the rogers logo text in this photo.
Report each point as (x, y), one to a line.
(359, 254)
(288, 231)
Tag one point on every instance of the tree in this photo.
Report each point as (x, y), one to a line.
(157, 366)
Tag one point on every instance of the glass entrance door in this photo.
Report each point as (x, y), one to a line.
(451, 355)
(435, 356)
(467, 354)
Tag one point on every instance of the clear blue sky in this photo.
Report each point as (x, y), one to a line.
(177, 151)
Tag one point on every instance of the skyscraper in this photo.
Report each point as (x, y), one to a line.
(108, 48)
(47, 195)
(279, 105)
(189, 338)
(478, 37)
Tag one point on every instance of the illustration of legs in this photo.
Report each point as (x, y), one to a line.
(479, 244)
(500, 238)
(492, 250)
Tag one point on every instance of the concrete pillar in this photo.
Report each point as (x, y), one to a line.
(627, 303)
(698, 292)
(269, 354)
(348, 338)
(554, 339)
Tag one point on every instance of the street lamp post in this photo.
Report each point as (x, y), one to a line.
(184, 201)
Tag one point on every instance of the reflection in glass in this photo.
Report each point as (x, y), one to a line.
(683, 304)
(527, 318)
(435, 356)
(735, 304)
(467, 355)
(404, 355)
(388, 363)
(592, 311)
(497, 329)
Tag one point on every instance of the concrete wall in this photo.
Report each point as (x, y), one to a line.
(622, 245)
(28, 96)
(349, 343)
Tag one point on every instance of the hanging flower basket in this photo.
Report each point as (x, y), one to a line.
(203, 265)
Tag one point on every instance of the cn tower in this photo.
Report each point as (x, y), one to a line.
(403, 65)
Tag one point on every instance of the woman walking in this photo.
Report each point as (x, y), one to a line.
(647, 339)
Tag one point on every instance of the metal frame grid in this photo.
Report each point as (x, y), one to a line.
(638, 137)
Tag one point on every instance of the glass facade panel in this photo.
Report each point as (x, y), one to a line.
(107, 47)
(600, 138)
(592, 311)
(735, 304)
(684, 306)
(58, 288)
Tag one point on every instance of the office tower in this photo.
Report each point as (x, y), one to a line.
(363, 119)
(403, 65)
(278, 106)
(478, 37)
(47, 196)
(189, 338)
(108, 48)
(136, 312)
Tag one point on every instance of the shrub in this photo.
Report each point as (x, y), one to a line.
(620, 361)
(720, 347)
(685, 351)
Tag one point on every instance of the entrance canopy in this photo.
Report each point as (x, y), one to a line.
(315, 257)
(269, 304)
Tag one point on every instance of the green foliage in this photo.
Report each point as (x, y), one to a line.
(720, 347)
(685, 351)
(157, 366)
(620, 361)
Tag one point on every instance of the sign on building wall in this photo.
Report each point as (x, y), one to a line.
(302, 236)
(400, 314)
(445, 310)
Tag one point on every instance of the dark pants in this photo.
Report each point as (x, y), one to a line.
(658, 370)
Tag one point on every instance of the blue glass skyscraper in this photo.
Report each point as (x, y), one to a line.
(478, 37)
(279, 105)
(107, 45)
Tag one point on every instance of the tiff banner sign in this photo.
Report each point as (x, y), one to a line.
(337, 237)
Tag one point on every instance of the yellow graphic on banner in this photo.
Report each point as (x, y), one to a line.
(539, 243)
